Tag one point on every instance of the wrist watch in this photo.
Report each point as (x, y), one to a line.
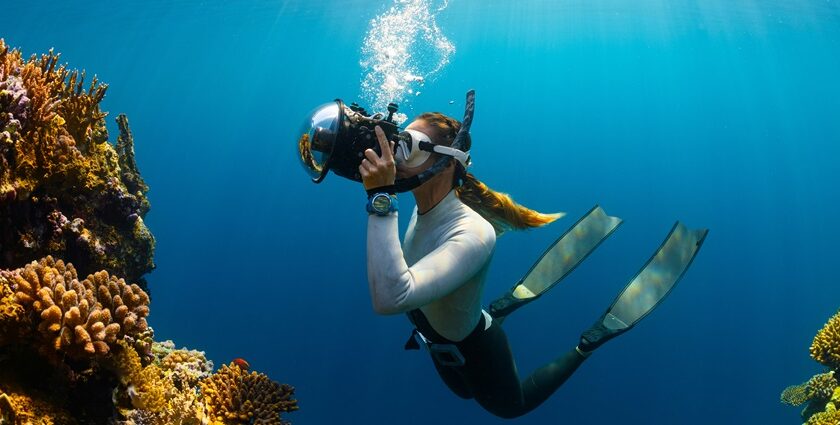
(382, 204)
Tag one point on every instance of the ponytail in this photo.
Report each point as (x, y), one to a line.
(496, 207)
(499, 208)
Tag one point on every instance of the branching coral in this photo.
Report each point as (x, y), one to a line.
(146, 385)
(64, 190)
(78, 318)
(234, 396)
(826, 346)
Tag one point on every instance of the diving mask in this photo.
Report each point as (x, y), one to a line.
(415, 147)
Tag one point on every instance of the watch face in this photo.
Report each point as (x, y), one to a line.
(381, 203)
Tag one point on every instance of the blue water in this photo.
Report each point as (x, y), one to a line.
(721, 114)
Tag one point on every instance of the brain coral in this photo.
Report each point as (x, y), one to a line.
(234, 396)
(826, 346)
(64, 190)
(77, 318)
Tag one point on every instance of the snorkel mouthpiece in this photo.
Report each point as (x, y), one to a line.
(335, 136)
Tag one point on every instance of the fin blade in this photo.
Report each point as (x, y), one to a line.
(567, 252)
(563, 256)
(656, 279)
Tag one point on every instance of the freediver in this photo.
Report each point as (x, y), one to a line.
(438, 274)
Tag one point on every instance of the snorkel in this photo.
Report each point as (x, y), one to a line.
(335, 136)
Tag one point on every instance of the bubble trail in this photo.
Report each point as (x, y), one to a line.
(404, 48)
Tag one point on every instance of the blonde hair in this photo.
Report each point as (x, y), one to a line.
(497, 208)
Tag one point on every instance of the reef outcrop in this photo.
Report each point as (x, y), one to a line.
(64, 190)
(821, 393)
(234, 395)
(75, 345)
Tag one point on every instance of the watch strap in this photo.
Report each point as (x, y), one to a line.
(390, 190)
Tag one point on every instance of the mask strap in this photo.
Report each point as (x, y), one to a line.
(461, 156)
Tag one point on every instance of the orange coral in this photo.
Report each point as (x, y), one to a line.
(64, 190)
(233, 396)
(826, 346)
(78, 318)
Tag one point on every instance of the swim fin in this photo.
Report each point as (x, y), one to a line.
(569, 250)
(650, 286)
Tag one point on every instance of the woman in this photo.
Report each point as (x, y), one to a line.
(437, 276)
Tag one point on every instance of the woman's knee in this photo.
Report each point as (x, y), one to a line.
(504, 407)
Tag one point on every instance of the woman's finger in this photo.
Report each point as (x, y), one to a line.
(368, 166)
(387, 153)
(371, 156)
(363, 171)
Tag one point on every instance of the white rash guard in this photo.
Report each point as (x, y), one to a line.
(442, 271)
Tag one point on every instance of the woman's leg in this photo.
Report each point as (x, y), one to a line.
(454, 379)
(490, 372)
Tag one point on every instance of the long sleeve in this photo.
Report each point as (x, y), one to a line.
(395, 287)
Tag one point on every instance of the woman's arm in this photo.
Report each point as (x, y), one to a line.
(396, 288)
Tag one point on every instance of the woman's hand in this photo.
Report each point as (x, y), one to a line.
(379, 171)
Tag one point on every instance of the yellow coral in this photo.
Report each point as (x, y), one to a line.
(826, 346)
(830, 416)
(155, 397)
(21, 408)
(78, 318)
(234, 396)
(146, 385)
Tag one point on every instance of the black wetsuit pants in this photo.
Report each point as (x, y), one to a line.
(489, 374)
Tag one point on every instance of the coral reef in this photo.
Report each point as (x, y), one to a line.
(820, 387)
(80, 351)
(234, 396)
(77, 318)
(65, 191)
(826, 346)
(821, 392)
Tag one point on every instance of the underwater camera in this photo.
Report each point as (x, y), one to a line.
(335, 136)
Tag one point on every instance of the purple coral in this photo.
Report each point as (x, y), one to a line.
(14, 103)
